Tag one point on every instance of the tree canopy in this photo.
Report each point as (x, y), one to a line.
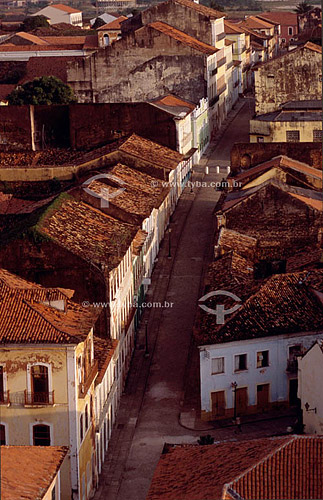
(303, 7)
(32, 22)
(43, 90)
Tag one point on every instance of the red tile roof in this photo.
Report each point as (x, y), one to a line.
(256, 23)
(283, 162)
(232, 29)
(193, 472)
(293, 471)
(151, 152)
(88, 232)
(283, 18)
(31, 291)
(104, 350)
(314, 47)
(31, 38)
(113, 25)
(37, 466)
(183, 38)
(284, 304)
(174, 104)
(25, 321)
(201, 9)
(65, 8)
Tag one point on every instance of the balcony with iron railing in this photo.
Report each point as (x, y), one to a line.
(292, 366)
(4, 398)
(39, 398)
(84, 387)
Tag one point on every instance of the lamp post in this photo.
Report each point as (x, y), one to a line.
(234, 388)
(169, 243)
(146, 337)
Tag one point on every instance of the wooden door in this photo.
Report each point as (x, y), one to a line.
(263, 396)
(242, 400)
(218, 403)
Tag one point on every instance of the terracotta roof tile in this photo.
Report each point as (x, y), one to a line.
(113, 25)
(25, 321)
(182, 37)
(32, 38)
(37, 466)
(151, 152)
(285, 303)
(87, 232)
(283, 18)
(254, 22)
(232, 28)
(174, 104)
(228, 42)
(192, 472)
(104, 350)
(293, 471)
(201, 9)
(314, 47)
(65, 8)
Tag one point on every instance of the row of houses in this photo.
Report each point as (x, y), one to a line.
(268, 253)
(75, 270)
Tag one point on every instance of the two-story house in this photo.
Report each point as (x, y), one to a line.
(249, 363)
(48, 372)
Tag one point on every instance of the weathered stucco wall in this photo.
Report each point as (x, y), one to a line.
(276, 131)
(144, 65)
(292, 77)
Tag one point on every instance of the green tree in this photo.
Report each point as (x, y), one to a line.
(43, 90)
(98, 23)
(303, 7)
(33, 22)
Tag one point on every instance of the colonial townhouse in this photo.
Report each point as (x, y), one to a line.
(39, 471)
(310, 372)
(48, 372)
(266, 28)
(232, 90)
(294, 121)
(288, 25)
(75, 244)
(282, 79)
(248, 360)
(240, 52)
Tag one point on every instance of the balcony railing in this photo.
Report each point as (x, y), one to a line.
(229, 65)
(4, 398)
(222, 89)
(213, 101)
(39, 398)
(292, 366)
(83, 388)
(214, 71)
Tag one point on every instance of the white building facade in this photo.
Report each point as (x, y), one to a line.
(264, 371)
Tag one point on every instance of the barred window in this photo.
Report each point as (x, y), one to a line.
(317, 136)
(292, 135)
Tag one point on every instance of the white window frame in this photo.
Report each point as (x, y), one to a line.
(50, 378)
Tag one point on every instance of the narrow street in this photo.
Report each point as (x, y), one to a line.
(150, 408)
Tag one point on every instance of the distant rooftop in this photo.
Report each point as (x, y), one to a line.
(174, 105)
